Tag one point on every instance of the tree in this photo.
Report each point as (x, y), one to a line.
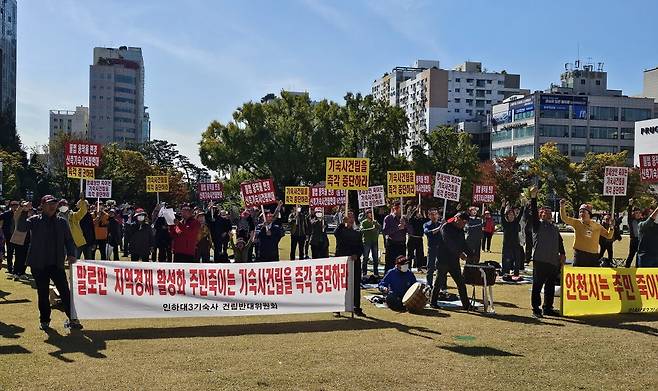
(510, 177)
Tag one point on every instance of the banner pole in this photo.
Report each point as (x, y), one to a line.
(419, 200)
(613, 207)
(445, 207)
(262, 211)
(98, 205)
(157, 195)
(82, 188)
(212, 213)
(347, 201)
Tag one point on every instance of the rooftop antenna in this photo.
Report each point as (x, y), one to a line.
(599, 67)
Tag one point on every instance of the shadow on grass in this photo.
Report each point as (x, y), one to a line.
(521, 319)
(321, 326)
(13, 349)
(619, 321)
(75, 342)
(479, 351)
(10, 330)
(3, 299)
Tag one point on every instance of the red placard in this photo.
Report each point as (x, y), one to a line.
(483, 194)
(649, 168)
(82, 154)
(323, 197)
(423, 184)
(211, 191)
(258, 192)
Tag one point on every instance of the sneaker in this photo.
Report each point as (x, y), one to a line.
(359, 312)
(73, 324)
(537, 314)
(24, 277)
(45, 326)
(507, 278)
(551, 312)
(16, 277)
(434, 305)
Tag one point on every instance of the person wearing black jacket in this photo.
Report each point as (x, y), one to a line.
(548, 256)
(634, 219)
(319, 240)
(7, 221)
(220, 231)
(162, 251)
(113, 235)
(512, 251)
(87, 227)
(51, 244)
(452, 247)
(140, 240)
(415, 251)
(349, 244)
(298, 231)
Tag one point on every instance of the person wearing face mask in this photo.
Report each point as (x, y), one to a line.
(21, 239)
(74, 218)
(319, 240)
(396, 282)
(204, 241)
(548, 256)
(141, 240)
(185, 233)
(395, 230)
(349, 244)
(101, 220)
(268, 238)
(474, 234)
(587, 234)
(647, 253)
(113, 235)
(298, 230)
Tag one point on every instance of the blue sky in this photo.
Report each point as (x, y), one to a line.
(203, 58)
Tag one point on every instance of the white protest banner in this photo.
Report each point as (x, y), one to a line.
(615, 180)
(115, 290)
(99, 188)
(372, 197)
(447, 186)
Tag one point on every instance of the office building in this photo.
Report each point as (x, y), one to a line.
(580, 115)
(8, 56)
(116, 96)
(650, 84)
(75, 123)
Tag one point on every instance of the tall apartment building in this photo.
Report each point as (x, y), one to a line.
(116, 96)
(432, 96)
(75, 123)
(8, 56)
(650, 84)
(580, 115)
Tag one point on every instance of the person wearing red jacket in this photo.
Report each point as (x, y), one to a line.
(488, 231)
(184, 234)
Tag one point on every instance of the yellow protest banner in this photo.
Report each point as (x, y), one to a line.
(297, 195)
(157, 184)
(80, 172)
(598, 290)
(346, 173)
(401, 184)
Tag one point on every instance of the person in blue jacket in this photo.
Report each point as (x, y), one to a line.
(396, 282)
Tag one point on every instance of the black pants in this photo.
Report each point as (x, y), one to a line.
(42, 278)
(320, 251)
(10, 255)
(115, 251)
(307, 244)
(605, 245)
(442, 270)
(357, 281)
(632, 250)
(100, 246)
(163, 254)
(528, 246)
(185, 258)
(486, 241)
(87, 251)
(393, 250)
(126, 245)
(203, 255)
(137, 257)
(585, 259)
(21, 258)
(544, 275)
(297, 242)
(415, 252)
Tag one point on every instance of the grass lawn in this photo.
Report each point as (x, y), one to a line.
(385, 351)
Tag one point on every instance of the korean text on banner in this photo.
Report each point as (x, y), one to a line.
(297, 195)
(99, 188)
(211, 191)
(82, 154)
(597, 291)
(343, 173)
(423, 184)
(258, 192)
(649, 168)
(80, 172)
(401, 184)
(113, 290)
(447, 186)
(157, 184)
(483, 194)
(372, 197)
(321, 197)
(615, 180)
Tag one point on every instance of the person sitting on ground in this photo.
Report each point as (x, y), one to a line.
(587, 233)
(396, 282)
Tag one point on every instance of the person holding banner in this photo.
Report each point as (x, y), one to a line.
(548, 256)
(319, 240)
(587, 234)
(452, 247)
(349, 244)
(370, 232)
(269, 236)
(647, 253)
(298, 230)
(634, 216)
(51, 244)
(396, 234)
(204, 241)
(140, 237)
(185, 233)
(220, 231)
(162, 250)
(396, 282)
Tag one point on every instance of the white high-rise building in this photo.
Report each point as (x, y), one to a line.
(432, 96)
(75, 123)
(116, 96)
